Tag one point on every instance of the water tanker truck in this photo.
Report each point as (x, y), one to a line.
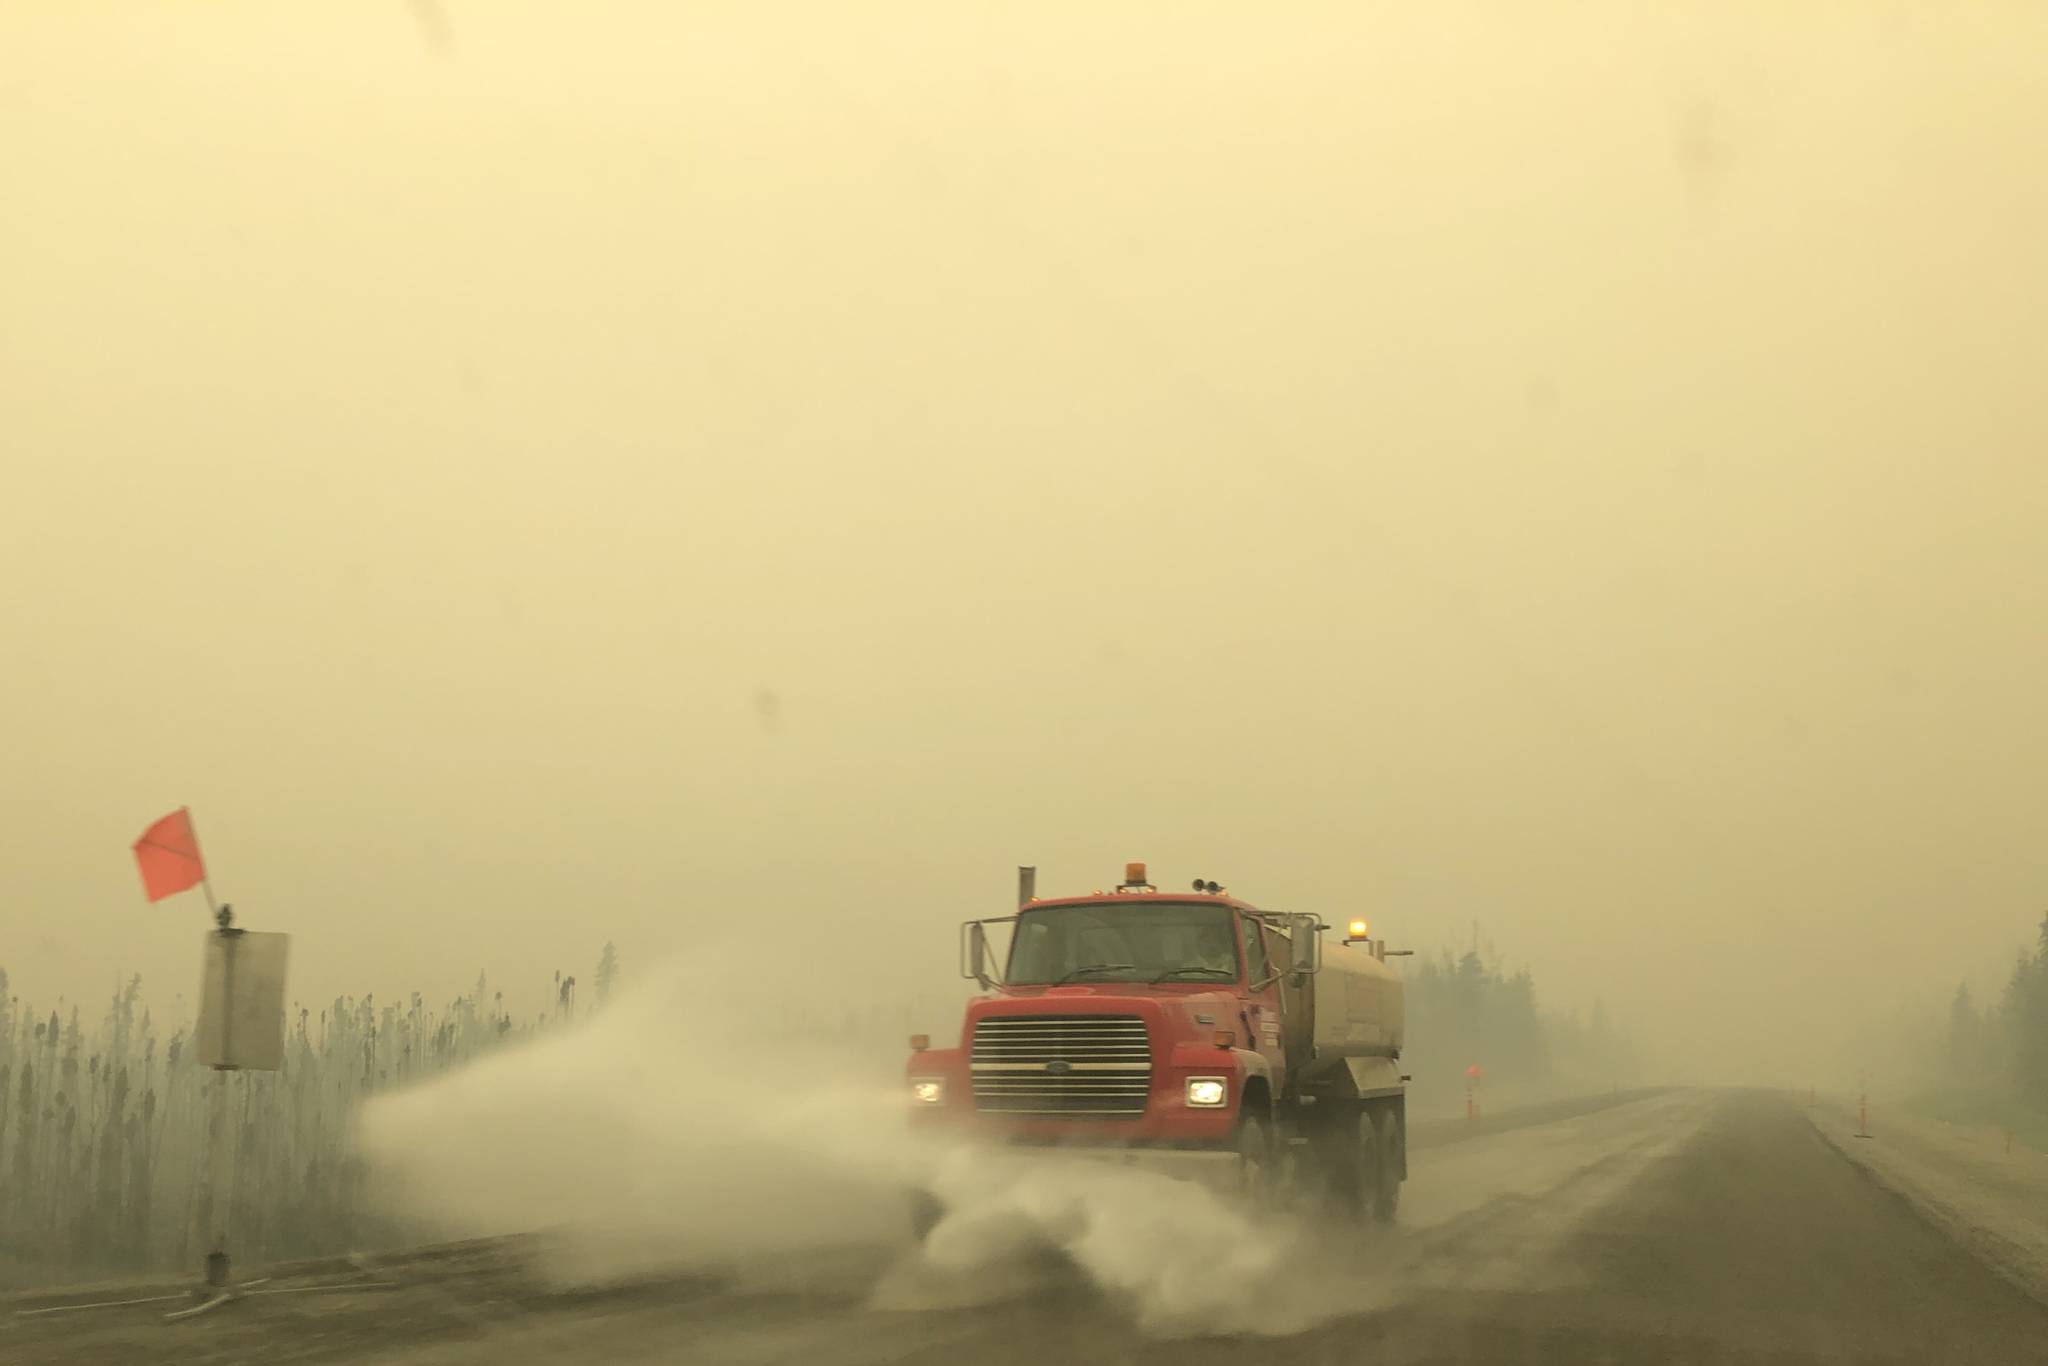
(1180, 1028)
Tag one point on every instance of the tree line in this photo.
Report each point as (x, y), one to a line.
(1466, 1011)
(2003, 1044)
(103, 1125)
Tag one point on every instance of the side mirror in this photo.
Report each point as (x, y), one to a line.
(1308, 945)
(974, 955)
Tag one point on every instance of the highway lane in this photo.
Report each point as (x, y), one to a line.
(1687, 1228)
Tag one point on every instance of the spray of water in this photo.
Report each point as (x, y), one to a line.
(657, 1127)
(1181, 1256)
(670, 1134)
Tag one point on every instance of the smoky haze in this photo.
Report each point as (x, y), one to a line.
(531, 478)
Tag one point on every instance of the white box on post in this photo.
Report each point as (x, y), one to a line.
(241, 1001)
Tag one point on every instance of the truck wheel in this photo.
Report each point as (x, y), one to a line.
(1255, 1155)
(1388, 1138)
(1348, 1152)
(925, 1213)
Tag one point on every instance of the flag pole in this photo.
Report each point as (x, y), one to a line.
(205, 885)
(220, 1171)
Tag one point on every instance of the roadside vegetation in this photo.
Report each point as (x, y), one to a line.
(103, 1125)
(1468, 1010)
(1994, 1068)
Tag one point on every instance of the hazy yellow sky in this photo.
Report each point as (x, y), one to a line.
(550, 474)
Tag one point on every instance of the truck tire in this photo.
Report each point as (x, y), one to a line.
(1256, 1157)
(1347, 1150)
(925, 1213)
(1389, 1138)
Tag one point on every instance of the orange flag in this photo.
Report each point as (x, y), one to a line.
(168, 854)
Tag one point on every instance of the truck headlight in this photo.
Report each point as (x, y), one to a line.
(1208, 1092)
(928, 1091)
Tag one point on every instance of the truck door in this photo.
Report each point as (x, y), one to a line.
(1263, 1016)
(1296, 1026)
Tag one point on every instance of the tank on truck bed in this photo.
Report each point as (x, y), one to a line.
(1183, 1025)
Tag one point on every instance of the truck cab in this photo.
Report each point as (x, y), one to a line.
(1177, 1023)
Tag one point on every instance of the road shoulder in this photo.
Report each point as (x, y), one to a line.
(1991, 1200)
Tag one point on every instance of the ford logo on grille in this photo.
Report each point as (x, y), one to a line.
(1059, 1066)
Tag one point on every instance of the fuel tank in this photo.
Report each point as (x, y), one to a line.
(1357, 1005)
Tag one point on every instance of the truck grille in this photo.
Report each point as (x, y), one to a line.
(1061, 1065)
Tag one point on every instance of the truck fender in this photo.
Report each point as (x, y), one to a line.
(1249, 1065)
(1374, 1076)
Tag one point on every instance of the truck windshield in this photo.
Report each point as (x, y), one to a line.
(1137, 942)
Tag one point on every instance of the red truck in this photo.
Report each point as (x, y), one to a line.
(1179, 1025)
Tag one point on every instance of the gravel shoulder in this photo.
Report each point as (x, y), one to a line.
(1987, 1194)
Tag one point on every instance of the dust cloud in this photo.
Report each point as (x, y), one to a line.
(665, 1137)
(687, 1130)
(1184, 1259)
(1180, 1257)
(667, 1129)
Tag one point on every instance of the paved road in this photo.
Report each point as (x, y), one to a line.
(1687, 1228)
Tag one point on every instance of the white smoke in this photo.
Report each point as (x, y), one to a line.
(652, 1127)
(667, 1135)
(1182, 1257)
